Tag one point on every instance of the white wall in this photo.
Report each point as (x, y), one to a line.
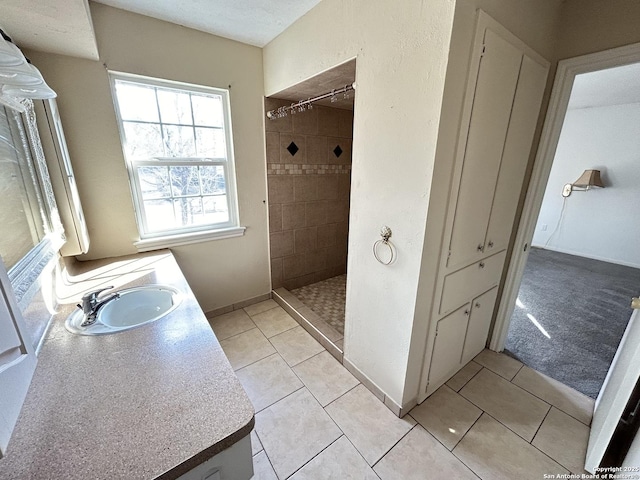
(601, 223)
(220, 272)
(401, 60)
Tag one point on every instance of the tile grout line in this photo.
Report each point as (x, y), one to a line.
(507, 427)
(316, 455)
(336, 399)
(396, 443)
(553, 405)
(540, 426)
(482, 367)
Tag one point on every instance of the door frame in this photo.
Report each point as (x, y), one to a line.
(554, 120)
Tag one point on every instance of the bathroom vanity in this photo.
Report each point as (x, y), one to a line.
(158, 401)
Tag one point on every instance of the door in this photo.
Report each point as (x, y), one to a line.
(17, 361)
(617, 388)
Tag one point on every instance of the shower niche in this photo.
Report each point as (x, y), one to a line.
(309, 150)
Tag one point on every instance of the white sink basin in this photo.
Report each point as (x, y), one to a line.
(134, 307)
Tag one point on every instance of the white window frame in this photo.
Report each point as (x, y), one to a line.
(184, 235)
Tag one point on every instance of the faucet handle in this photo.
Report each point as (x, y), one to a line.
(94, 293)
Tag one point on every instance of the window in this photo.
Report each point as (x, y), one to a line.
(178, 148)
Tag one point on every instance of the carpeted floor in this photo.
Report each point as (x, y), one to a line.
(327, 298)
(584, 307)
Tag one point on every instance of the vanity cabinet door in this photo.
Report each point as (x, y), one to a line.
(17, 361)
(479, 323)
(448, 345)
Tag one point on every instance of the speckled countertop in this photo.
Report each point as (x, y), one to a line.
(152, 402)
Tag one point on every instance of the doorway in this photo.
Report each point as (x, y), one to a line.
(584, 241)
(309, 147)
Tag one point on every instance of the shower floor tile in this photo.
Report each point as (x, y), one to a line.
(326, 298)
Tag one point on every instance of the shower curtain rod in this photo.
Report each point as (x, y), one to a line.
(302, 104)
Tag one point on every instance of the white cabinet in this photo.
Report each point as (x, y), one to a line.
(449, 343)
(504, 92)
(479, 323)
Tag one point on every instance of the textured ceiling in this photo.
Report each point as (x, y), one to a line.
(614, 86)
(335, 78)
(255, 22)
(56, 26)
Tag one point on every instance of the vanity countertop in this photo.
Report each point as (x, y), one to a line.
(152, 402)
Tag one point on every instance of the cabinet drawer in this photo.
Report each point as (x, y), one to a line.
(469, 282)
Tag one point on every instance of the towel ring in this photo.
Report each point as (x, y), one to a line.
(385, 233)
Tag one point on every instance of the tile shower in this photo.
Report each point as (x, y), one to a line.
(308, 176)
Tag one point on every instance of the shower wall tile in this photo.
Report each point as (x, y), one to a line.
(316, 149)
(306, 239)
(275, 218)
(329, 121)
(294, 266)
(345, 146)
(280, 189)
(306, 123)
(285, 155)
(316, 213)
(293, 216)
(337, 211)
(276, 273)
(316, 260)
(281, 244)
(327, 235)
(305, 188)
(327, 187)
(308, 194)
(273, 147)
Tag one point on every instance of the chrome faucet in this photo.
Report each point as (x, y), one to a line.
(91, 303)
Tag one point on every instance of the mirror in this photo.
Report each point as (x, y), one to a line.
(30, 228)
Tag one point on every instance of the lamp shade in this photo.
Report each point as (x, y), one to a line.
(590, 178)
(41, 91)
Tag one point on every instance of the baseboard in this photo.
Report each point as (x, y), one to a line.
(237, 306)
(585, 255)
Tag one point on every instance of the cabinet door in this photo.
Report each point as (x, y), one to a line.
(492, 102)
(447, 349)
(17, 361)
(524, 117)
(479, 323)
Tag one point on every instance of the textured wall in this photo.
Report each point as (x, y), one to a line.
(308, 193)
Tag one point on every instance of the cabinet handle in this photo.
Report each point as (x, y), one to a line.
(466, 312)
(481, 265)
(490, 244)
(477, 305)
(480, 247)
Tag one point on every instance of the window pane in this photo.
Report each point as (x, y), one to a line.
(143, 140)
(188, 210)
(216, 209)
(213, 181)
(178, 141)
(210, 143)
(207, 110)
(136, 102)
(154, 182)
(175, 107)
(185, 181)
(160, 215)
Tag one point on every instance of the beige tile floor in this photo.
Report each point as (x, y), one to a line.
(496, 419)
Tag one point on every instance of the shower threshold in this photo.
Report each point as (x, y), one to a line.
(315, 322)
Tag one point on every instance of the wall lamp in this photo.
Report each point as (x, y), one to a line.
(590, 178)
(18, 77)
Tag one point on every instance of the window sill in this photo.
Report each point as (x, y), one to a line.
(187, 238)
